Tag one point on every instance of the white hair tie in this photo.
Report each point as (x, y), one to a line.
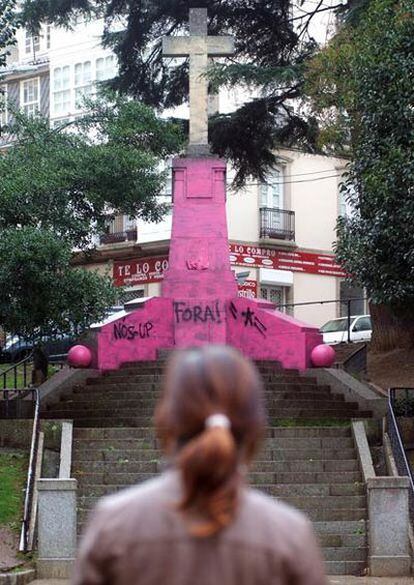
(217, 420)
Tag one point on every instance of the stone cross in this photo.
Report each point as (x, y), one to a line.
(199, 46)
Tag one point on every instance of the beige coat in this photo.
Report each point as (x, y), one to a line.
(137, 537)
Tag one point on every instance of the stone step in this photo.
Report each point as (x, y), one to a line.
(132, 392)
(331, 514)
(110, 453)
(281, 420)
(342, 540)
(345, 567)
(294, 432)
(149, 384)
(268, 443)
(318, 410)
(349, 527)
(130, 472)
(346, 553)
(148, 404)
(339, 468)
(108, 481)
(302, 471)
(123, 413)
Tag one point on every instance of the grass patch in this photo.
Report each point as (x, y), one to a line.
(13, 470)
(323, 422)
(21, 382)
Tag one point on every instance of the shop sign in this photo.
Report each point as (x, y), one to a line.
(146, 270)
(248, 290)
(307, 262)
(139, 271)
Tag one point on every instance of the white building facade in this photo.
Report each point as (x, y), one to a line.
(281, 232)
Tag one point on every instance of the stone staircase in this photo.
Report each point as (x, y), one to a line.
(308, 457)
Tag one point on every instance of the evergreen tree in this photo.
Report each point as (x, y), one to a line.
(8, 24)
(364, 93)
(57, 188)
(272, 45)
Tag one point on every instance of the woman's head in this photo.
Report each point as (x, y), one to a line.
(200, 383)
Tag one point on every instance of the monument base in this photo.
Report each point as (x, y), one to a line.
(254, 327)
(199, 303)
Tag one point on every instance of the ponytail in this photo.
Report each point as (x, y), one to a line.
(210, 420)
(209, 469)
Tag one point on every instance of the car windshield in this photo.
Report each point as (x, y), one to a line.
(335, 325)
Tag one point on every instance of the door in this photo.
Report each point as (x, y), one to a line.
(361, 329)
(271, 199)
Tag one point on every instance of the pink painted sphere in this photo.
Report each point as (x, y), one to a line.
(323, 356)
(79, 356)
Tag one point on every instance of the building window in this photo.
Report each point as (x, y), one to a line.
(83, 82)
(30, 96)
(274, 294)
(31, 43)
(105, 68)
(61, 90)
(130, 295)
(271, 192)
(3, 106)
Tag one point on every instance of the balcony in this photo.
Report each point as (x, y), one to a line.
(118, 237)
(277, 224)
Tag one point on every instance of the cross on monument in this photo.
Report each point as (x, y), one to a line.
(199, 46)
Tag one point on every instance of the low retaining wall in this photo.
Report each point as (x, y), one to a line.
(353, 390)
(18, 577)
(388, 515)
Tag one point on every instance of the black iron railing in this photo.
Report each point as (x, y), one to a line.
(401, 403)
(116, 237)
(278, 224)
(18, 375)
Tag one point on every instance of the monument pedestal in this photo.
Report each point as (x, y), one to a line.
(199, 302)
(199, 278)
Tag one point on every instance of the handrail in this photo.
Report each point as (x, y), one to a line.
(24, 534)
(397, 446)
(24, 363)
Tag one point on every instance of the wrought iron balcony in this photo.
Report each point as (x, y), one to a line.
(117, 237)
(277, 224)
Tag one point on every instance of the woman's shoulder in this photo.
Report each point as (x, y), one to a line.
(140, 498)
(271, 521)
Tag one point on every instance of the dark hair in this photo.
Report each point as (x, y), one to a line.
(198, 383)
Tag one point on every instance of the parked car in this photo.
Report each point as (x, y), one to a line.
(16, 348)
(336, 330)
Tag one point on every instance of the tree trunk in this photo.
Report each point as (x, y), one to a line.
(40, 366)
(391, 329)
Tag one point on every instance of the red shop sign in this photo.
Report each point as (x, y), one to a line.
(259, 257)
(248, 289)
(146, 270)
(139, 271)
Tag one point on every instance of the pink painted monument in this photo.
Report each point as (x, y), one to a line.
(199, 302)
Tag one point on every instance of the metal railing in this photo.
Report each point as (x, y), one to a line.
(116, 237)
(400, 403)
(24, 534)
(347, 303)
(278, 224)
(17, 376)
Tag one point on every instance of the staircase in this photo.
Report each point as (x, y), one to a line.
(308, 458)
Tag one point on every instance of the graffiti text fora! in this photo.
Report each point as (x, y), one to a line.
(186, 313)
